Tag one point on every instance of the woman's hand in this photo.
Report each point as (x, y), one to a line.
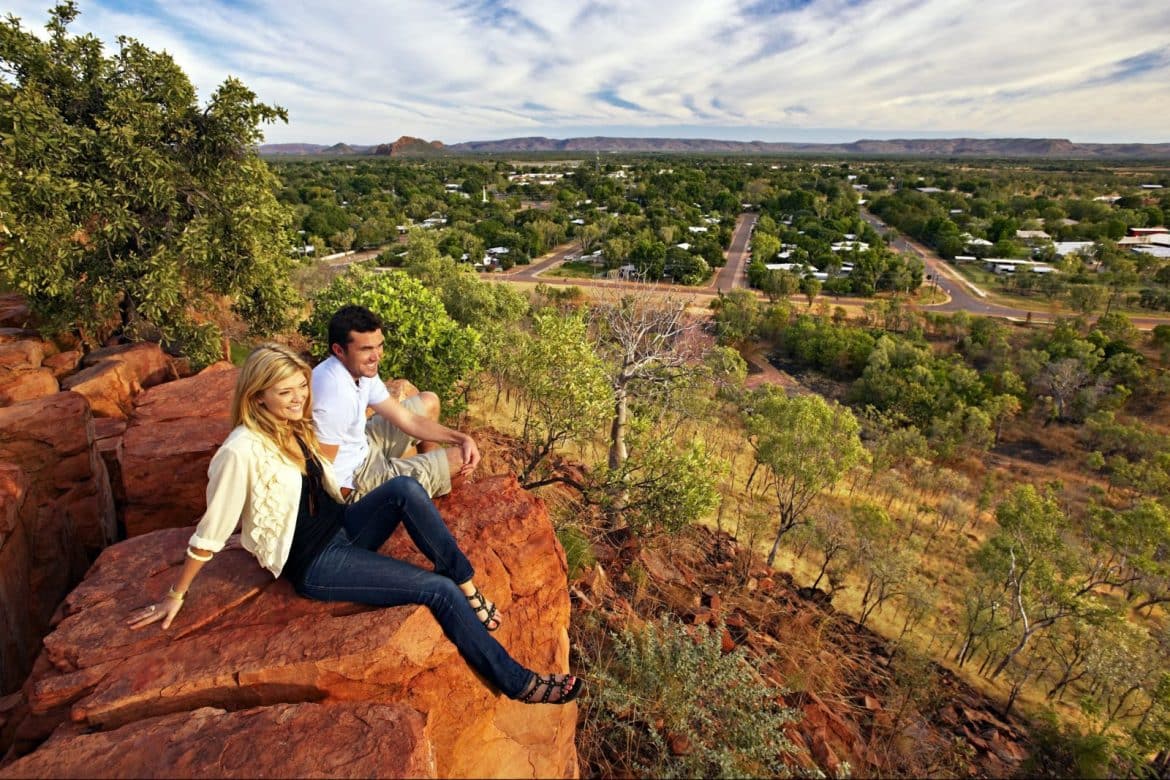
(164, 610)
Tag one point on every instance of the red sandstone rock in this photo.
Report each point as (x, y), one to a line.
(26, 353)
(62, 363)
(64, 511)
(9, 335)
(51, 440)
(17, 386)
(146, 362)
(19, 637)
(364, 740)
(245, 640)
(173, 432)
(109, 386)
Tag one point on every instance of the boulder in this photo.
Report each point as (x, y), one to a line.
(25, 353)
(112, 377)
(246, 646)
(17, 386)
(110, 388)
(364, 740)
(173, 432)
(21, 374)
(51, 439)
(145, 361)
(8, 335)
(63, 363)
(19, 637)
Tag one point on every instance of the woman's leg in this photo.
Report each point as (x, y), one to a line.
(351, 573)
(370, 521)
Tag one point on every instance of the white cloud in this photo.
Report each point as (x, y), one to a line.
(368, 71)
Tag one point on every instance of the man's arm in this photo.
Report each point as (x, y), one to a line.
(426, 429)
(329, 451)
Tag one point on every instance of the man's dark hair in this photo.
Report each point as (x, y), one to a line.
(348, 319)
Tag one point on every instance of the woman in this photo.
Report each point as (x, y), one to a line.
(269, 476)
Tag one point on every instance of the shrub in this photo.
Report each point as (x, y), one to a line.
(578, 549)
(672, 704)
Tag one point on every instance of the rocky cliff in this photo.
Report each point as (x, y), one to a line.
(246, 653)
(251, 680)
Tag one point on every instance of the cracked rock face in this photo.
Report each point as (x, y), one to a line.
(310, 684)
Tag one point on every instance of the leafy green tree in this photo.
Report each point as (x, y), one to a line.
(1041, 574)
(736, 315)
(810, 287)
(468, 300)
(563, 387)
(1086, 298)
(423, 344)
(764, 247)
(132, 209)
(806, 444)
(662, 487)
(778, 284)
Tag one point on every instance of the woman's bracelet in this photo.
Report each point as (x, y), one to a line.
(176, 595)
(197, 557)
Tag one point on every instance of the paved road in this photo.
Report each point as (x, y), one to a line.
(734, 272)
(530, 272)
(962, 294)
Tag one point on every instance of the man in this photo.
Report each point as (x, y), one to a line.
(366, 454)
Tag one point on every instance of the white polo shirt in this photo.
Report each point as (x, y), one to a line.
(339, 414)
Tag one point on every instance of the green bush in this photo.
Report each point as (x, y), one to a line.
(669, 704)
(1066, 751)
(578, 549)
(423, 344)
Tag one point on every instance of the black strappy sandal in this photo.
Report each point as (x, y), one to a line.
(490, 613)
(542, 689)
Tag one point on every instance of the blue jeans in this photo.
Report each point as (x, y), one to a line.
(349, 568)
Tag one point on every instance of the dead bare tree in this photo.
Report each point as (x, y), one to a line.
(651, 344)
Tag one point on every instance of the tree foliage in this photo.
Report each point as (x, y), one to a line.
(423, 344)
(806, 443)
(563, 388)
(129, 208)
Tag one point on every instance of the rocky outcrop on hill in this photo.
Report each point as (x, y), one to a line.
(58, 512)
(169, 440)
(111, 378)
(247, 660)
(23, 353)
(252, 680)
(366, 740)
(408, 146)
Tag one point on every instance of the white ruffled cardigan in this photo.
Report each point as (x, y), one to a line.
(251, 482)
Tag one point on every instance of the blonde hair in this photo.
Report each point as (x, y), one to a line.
(267, 365)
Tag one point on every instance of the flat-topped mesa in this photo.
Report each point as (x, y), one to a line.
(248, 654)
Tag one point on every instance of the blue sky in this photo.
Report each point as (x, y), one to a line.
(368, 71)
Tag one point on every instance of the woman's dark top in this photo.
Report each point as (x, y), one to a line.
(318, 519)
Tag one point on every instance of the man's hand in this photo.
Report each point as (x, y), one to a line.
(470, 454)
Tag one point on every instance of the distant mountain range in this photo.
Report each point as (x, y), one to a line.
(1060, 148)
